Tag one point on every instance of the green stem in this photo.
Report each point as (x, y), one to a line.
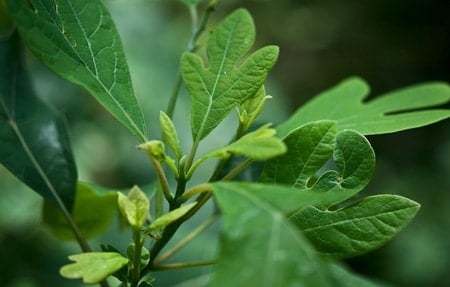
(195, 190)
(181, 265)
(162, 178)
(235, 171)
(169, 253)
(138, 243)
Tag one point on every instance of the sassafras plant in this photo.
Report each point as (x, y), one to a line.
(288, 228)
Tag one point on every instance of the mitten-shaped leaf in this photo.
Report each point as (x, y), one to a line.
(229, 79)
(395, 111)
(358, 228)
(78, 40)
(309, 149)
(33, 137)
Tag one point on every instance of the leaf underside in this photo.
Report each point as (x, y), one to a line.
(78, 40)
(228, 80)
(33, 138)
(398, 110)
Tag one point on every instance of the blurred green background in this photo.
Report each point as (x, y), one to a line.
(389, 43)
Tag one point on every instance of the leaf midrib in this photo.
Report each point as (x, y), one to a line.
(94, 74)
(216, 82)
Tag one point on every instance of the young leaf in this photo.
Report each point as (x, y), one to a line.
(310, 146)
(250, 109)
(271, 251)
(34, 142)
(170, 134)
(93, 267)
(134, 207)
(169, 217)
(395, 111)
(93, 212)
(79, 41)
(228, 81)
(260, 145)
(356, 229)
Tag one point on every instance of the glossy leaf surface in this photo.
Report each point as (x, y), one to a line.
(356, 229)
(78, 40)
(229, 79)
(309, 149)
(93, 212)
(394, 111)
(93, 267)
(33, 138)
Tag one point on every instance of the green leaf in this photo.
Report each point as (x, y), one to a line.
(79, 41)
(93, 212)
(228, 80)
(34, 142)
(260, 145)
(309, 148)
(251, 108)
(356, 229)
(260, 247)
(93, 267)
(395, 111)
(170, 134)
(169, 217)
(134, 207)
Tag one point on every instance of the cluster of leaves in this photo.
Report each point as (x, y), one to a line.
(288, 229)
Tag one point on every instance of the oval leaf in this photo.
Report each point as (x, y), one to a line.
(169, 217)
(34, 142)
(93, 267)
(170, 134)
(93, 212)
(79, 41)
(356, 229)
(134, 207)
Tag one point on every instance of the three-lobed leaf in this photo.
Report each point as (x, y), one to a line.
(93, 267)
(395, 111)
(78, 40)
(228, 80)
(93, 211)
(358, 228)
(34, 142)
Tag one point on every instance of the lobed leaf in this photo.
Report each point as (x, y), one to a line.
(228, 80)
(93, 212)
(310, 147)
(134, 207)
(271, 251)
(356, 229)
(93, 267)
(33, 138)
(78, 40)
(395, 111)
